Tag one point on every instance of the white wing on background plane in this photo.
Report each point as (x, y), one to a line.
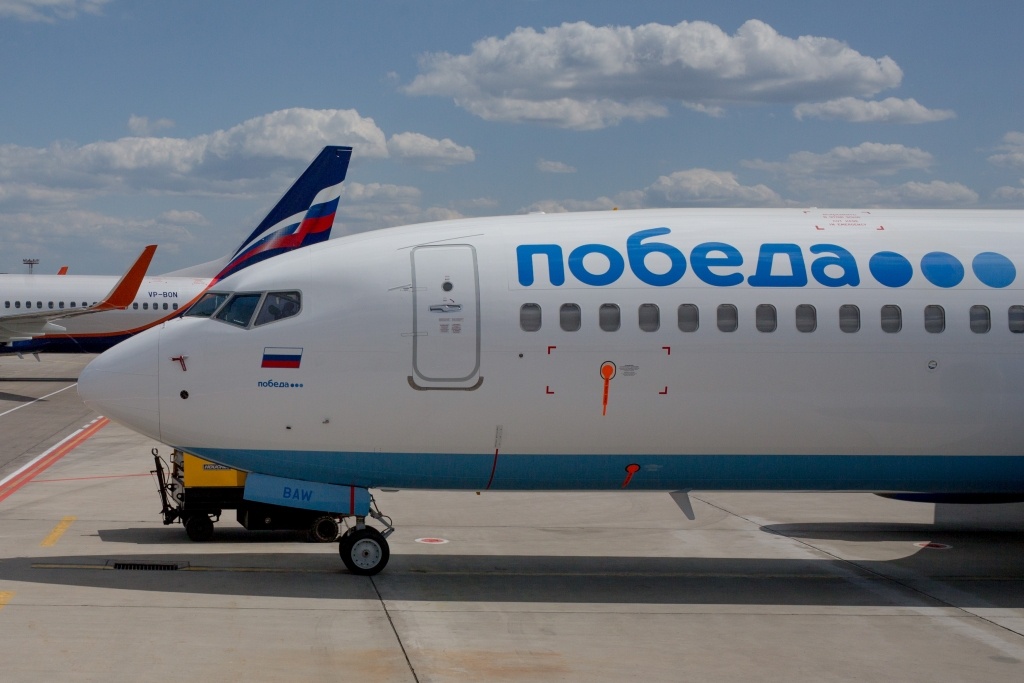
(39, 322)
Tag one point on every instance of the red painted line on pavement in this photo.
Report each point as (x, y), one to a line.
(48, 458)
(99, 476)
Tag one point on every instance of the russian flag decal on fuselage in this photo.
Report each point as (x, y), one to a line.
(278, 357)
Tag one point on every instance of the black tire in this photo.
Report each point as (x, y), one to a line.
(199, 528)
(324, 530)
(364, 551)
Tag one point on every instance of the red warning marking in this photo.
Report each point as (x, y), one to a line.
(547, 390)
(36, 467)
(664, 391)
(933, 545)
(668, 350)
(550, 348)
(630, 471)
(607, 373)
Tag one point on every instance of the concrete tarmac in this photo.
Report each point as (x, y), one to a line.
(528, 587)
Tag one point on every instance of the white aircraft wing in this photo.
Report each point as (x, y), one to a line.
(36, 323)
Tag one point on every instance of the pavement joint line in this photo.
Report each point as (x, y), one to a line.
(41, 398)
(394, 628)
(58, 531)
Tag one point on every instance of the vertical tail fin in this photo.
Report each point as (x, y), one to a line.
(304, 216)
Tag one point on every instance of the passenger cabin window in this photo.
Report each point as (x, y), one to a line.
(689, 317)
(766, 319)
(892, 318)
(17, 304)
(981, 319)
(278, 306)
(206, 306)
(649, 317)
(239, 309)
(728, 318)
(806, 318)
(529, 317)
(934, 319)
(135, 306)
(849, 318)
(569, 317)
(1016, 319)
(609, 318)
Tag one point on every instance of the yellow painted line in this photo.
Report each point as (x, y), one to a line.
(57, 532)
(5, 597)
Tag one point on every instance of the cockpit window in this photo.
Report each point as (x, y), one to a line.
(278, 305)
(206, 306)
(239, 309)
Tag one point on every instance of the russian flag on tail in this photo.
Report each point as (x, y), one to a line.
(281, 357)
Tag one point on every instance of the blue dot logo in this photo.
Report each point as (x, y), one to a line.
(891, 269)
(994, 270)
(942, 269)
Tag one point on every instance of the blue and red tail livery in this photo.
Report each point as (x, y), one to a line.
(304, 216)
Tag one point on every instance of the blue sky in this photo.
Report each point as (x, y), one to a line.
(129, 122)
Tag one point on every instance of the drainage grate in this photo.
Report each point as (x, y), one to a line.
(145, 567)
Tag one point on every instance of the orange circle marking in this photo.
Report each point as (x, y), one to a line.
(607, 370)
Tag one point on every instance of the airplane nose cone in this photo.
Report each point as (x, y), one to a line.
(121, 383)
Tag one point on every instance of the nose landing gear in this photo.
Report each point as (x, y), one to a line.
(364, 549)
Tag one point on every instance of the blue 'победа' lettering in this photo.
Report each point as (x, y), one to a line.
(777, 264)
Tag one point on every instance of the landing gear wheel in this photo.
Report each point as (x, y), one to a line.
(364, 551)
(199, 528)
(324, 530)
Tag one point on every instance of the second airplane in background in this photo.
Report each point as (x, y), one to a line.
(91, 313)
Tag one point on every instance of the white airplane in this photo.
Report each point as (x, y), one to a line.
(91, 313)
(732, 349)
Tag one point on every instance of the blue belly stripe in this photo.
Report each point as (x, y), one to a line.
(924, 473)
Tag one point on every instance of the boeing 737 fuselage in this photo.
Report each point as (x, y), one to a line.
(647, 350)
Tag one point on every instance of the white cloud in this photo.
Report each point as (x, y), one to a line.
(92, 195)
(1009, 192)
(142, 125)
(866, 159)
(934, 193)
(48, 10)
(889, 110)
(430, 153)
(219, 162)
(83, 231)
(703, 187)
(183, 217)
(583, 77)
(375, 205)
(238, 160)
(545, 166)
(690, 188)
(1012, 150)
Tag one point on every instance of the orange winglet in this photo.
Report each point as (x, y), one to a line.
(121, 296)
